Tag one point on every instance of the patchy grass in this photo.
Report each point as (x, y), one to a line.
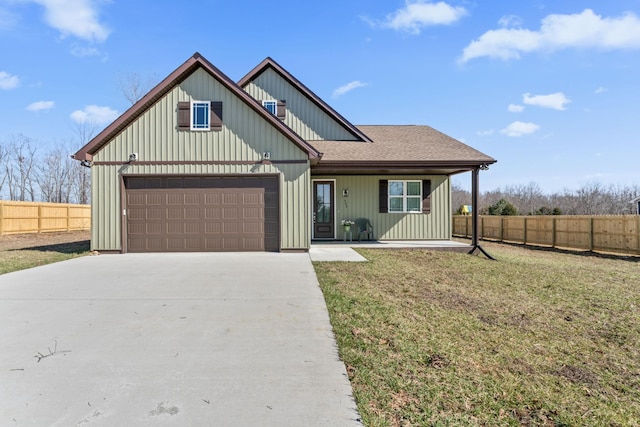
(25, 251)
(537, 338)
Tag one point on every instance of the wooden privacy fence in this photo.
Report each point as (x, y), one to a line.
(33, 217)
(610, 233)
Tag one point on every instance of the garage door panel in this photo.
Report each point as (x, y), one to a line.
(211, 198)
(213, 228)
(230, 214)
(252, 214)
(202, 214)
(192, 213)
(175, 199)
(153, 199)
(174, 213)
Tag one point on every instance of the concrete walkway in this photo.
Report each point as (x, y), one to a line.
(338, 250)
(170, 339)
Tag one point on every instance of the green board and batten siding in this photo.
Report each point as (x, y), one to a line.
(244, 137)
(363, 202)
(303, 116)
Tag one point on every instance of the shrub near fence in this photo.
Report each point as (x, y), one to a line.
(32, 217)
(610, 233)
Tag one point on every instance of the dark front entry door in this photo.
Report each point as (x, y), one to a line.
(323, 210)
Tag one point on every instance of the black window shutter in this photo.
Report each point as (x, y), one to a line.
(281, 109)
(216, 115)
(426, 196)
(383, 195)
(184, 115)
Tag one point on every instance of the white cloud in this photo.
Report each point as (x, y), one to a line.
(348, 87)
(418, 14)
(40, 105)
(485, 132)
(581, 30)
(601, 90)
(78, 18)
(94, 114)
(518, 128)
(7, 19)
(515, 108)
(7, 81)
(555, 101)
(510, 21)
(82, 52)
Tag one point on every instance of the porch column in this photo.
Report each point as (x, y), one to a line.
(475, 196)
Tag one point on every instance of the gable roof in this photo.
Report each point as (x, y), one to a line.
(315, 99)
(401, 147)
(171, 81)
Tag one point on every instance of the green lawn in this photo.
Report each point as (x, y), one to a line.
(22, 258)
(536, 338)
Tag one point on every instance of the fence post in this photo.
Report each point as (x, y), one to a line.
(68, 218)
(553, 232)
(524, 234)
(591, 234)
(1, 219)
(40, 218)
(501, 228)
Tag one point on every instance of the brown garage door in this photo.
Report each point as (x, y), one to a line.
(202, 214)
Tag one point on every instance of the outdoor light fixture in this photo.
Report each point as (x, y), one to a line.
(133, 157)
(345, 192)
(484, 167)
(266, 155)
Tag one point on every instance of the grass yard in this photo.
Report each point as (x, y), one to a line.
(536, 338)
(18, 252)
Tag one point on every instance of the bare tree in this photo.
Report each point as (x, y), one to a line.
(3, 175)
(133, 86)
(54, 175)
(20, 168)
(80, 175)
(527, 199)
(459, 197)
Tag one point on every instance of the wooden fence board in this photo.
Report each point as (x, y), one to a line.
(610, 233)
(34, 217)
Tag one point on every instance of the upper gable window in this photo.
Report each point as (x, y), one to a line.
(200, 115)
(271, 106)
(276, 107)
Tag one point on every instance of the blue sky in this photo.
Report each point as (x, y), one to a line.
(549, 88)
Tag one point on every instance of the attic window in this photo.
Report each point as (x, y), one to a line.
(200, 115)
(271, 106)
(276, 107)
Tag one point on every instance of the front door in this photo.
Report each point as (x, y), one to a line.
(323, 210)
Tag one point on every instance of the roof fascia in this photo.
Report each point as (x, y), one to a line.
(447, 167)
(175, 78)
(308, 93)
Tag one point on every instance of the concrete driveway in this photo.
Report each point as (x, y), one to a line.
(170, 339)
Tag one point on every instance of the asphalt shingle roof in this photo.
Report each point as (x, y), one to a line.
(398, 143)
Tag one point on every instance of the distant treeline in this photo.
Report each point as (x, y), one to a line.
(31, 174)
(590, 199)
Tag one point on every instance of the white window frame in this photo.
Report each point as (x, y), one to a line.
(271, 102)
(192, 116)
(405, 196)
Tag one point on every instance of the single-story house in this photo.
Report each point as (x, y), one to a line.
(202, 163)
